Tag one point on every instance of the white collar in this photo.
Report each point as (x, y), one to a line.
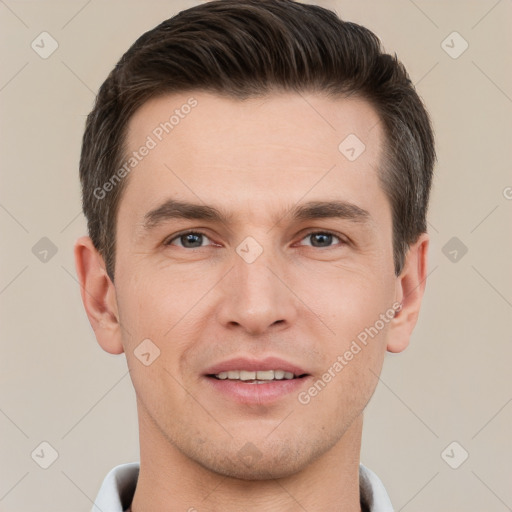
(118, 487)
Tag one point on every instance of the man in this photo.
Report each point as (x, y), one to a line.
(255, 178)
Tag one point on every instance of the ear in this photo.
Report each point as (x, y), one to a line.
(98, 295)
(410, 286)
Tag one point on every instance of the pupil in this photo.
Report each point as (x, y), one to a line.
(189, 237)
(325, 236)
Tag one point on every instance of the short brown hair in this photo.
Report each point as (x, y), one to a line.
(249, 48)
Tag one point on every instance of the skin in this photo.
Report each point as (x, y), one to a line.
(304, 303)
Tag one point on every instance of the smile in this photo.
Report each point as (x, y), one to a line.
(256, 377)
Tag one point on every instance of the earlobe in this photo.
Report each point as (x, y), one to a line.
(98, 295)
(410, 287)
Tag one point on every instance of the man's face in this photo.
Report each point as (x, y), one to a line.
(261, 283)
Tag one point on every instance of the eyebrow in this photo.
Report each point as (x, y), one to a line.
(175, 209)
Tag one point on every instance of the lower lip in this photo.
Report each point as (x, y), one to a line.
(245, 393)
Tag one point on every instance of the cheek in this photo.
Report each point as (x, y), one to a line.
(356, 308)
(153, 302)
(153, 311)
(352, 361)
(348, 300)
(167, 309)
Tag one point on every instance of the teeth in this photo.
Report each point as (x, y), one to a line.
(264, 375)
(247, 375)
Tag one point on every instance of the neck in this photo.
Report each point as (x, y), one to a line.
(170, 481)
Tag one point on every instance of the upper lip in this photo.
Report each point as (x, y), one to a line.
(244, 363)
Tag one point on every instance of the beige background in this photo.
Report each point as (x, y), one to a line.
(452, 384)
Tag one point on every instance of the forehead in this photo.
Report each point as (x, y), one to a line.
(251, 154)
(311, 120)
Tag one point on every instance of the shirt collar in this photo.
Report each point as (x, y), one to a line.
(118, 488)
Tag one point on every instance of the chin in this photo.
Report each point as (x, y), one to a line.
(279, 459)
(266, 468)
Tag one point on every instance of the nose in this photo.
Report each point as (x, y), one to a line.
(258, 295)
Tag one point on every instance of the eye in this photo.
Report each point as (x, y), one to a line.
(188, 240)
(195, 239)
(321, 239)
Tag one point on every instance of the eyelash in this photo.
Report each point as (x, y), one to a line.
(342, 240)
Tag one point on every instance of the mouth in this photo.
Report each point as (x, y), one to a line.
(256, 376)
(256, 381)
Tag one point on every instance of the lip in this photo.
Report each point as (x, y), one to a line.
(244, 393)
(244, 363)
(267, 393)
